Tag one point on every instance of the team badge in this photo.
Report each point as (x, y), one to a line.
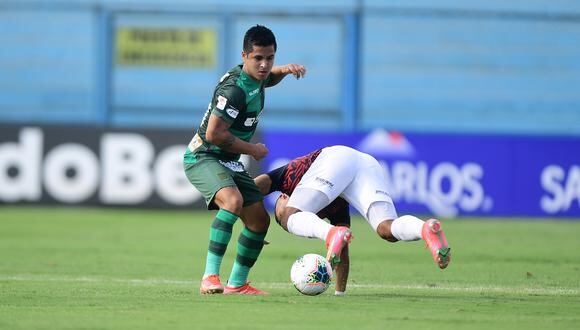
(221, 103)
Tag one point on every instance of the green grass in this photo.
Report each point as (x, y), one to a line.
(140, 269)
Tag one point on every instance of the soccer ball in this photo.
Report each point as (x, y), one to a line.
(311, 274)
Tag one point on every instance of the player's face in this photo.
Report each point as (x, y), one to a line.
(258, 63)
(281, 205)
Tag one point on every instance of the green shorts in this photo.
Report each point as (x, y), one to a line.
(209, 175)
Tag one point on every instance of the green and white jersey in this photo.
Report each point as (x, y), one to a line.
(238, 99)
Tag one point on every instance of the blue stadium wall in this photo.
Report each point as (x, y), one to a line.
(503, 75)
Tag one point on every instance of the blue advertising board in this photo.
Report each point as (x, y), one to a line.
(451, 175)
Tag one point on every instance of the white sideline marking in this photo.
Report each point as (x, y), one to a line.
(279, 285)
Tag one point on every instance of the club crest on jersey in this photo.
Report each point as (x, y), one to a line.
(232, 112)
(221, 103)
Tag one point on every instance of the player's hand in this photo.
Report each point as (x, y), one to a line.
(297, 70)
(260, 151)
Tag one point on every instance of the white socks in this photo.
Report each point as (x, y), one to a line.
(407, 228)
(308, 224)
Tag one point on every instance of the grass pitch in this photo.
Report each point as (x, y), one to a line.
(140, 269)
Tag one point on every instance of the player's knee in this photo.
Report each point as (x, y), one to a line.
(283, 223)
(234, 204)
(256, 218)
(384, 231)
(388, 237)
(260, 223)
(264, 224)
(230, 199)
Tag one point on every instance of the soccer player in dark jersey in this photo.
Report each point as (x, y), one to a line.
(323, 184)
(212, 164)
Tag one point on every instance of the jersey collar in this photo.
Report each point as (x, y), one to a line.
(248, 80)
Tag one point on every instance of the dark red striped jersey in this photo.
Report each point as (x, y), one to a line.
(286, 178)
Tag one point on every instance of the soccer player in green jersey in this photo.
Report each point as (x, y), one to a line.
(212, 164)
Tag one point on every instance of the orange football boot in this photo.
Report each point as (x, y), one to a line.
(210, 285)
(436, 242)
(244, 289)
(336, 239)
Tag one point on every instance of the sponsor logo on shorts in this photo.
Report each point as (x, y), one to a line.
(324, 182)
(234, 166)
(381, 192)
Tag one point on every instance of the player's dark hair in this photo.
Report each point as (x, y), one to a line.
(260, 36)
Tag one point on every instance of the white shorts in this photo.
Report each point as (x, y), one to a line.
(350, 174)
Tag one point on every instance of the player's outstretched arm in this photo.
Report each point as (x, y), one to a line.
(219, 135)
(279, 72)
(342, 218)
(341, 271)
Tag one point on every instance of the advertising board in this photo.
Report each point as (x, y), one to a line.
(92, 166)
(450, 175)
(440, 174)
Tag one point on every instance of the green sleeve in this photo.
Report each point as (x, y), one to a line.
(228, 103)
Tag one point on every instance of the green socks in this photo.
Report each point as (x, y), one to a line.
(249, 247)
(219, 237)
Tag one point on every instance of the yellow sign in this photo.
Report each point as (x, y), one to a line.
(173, 47)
